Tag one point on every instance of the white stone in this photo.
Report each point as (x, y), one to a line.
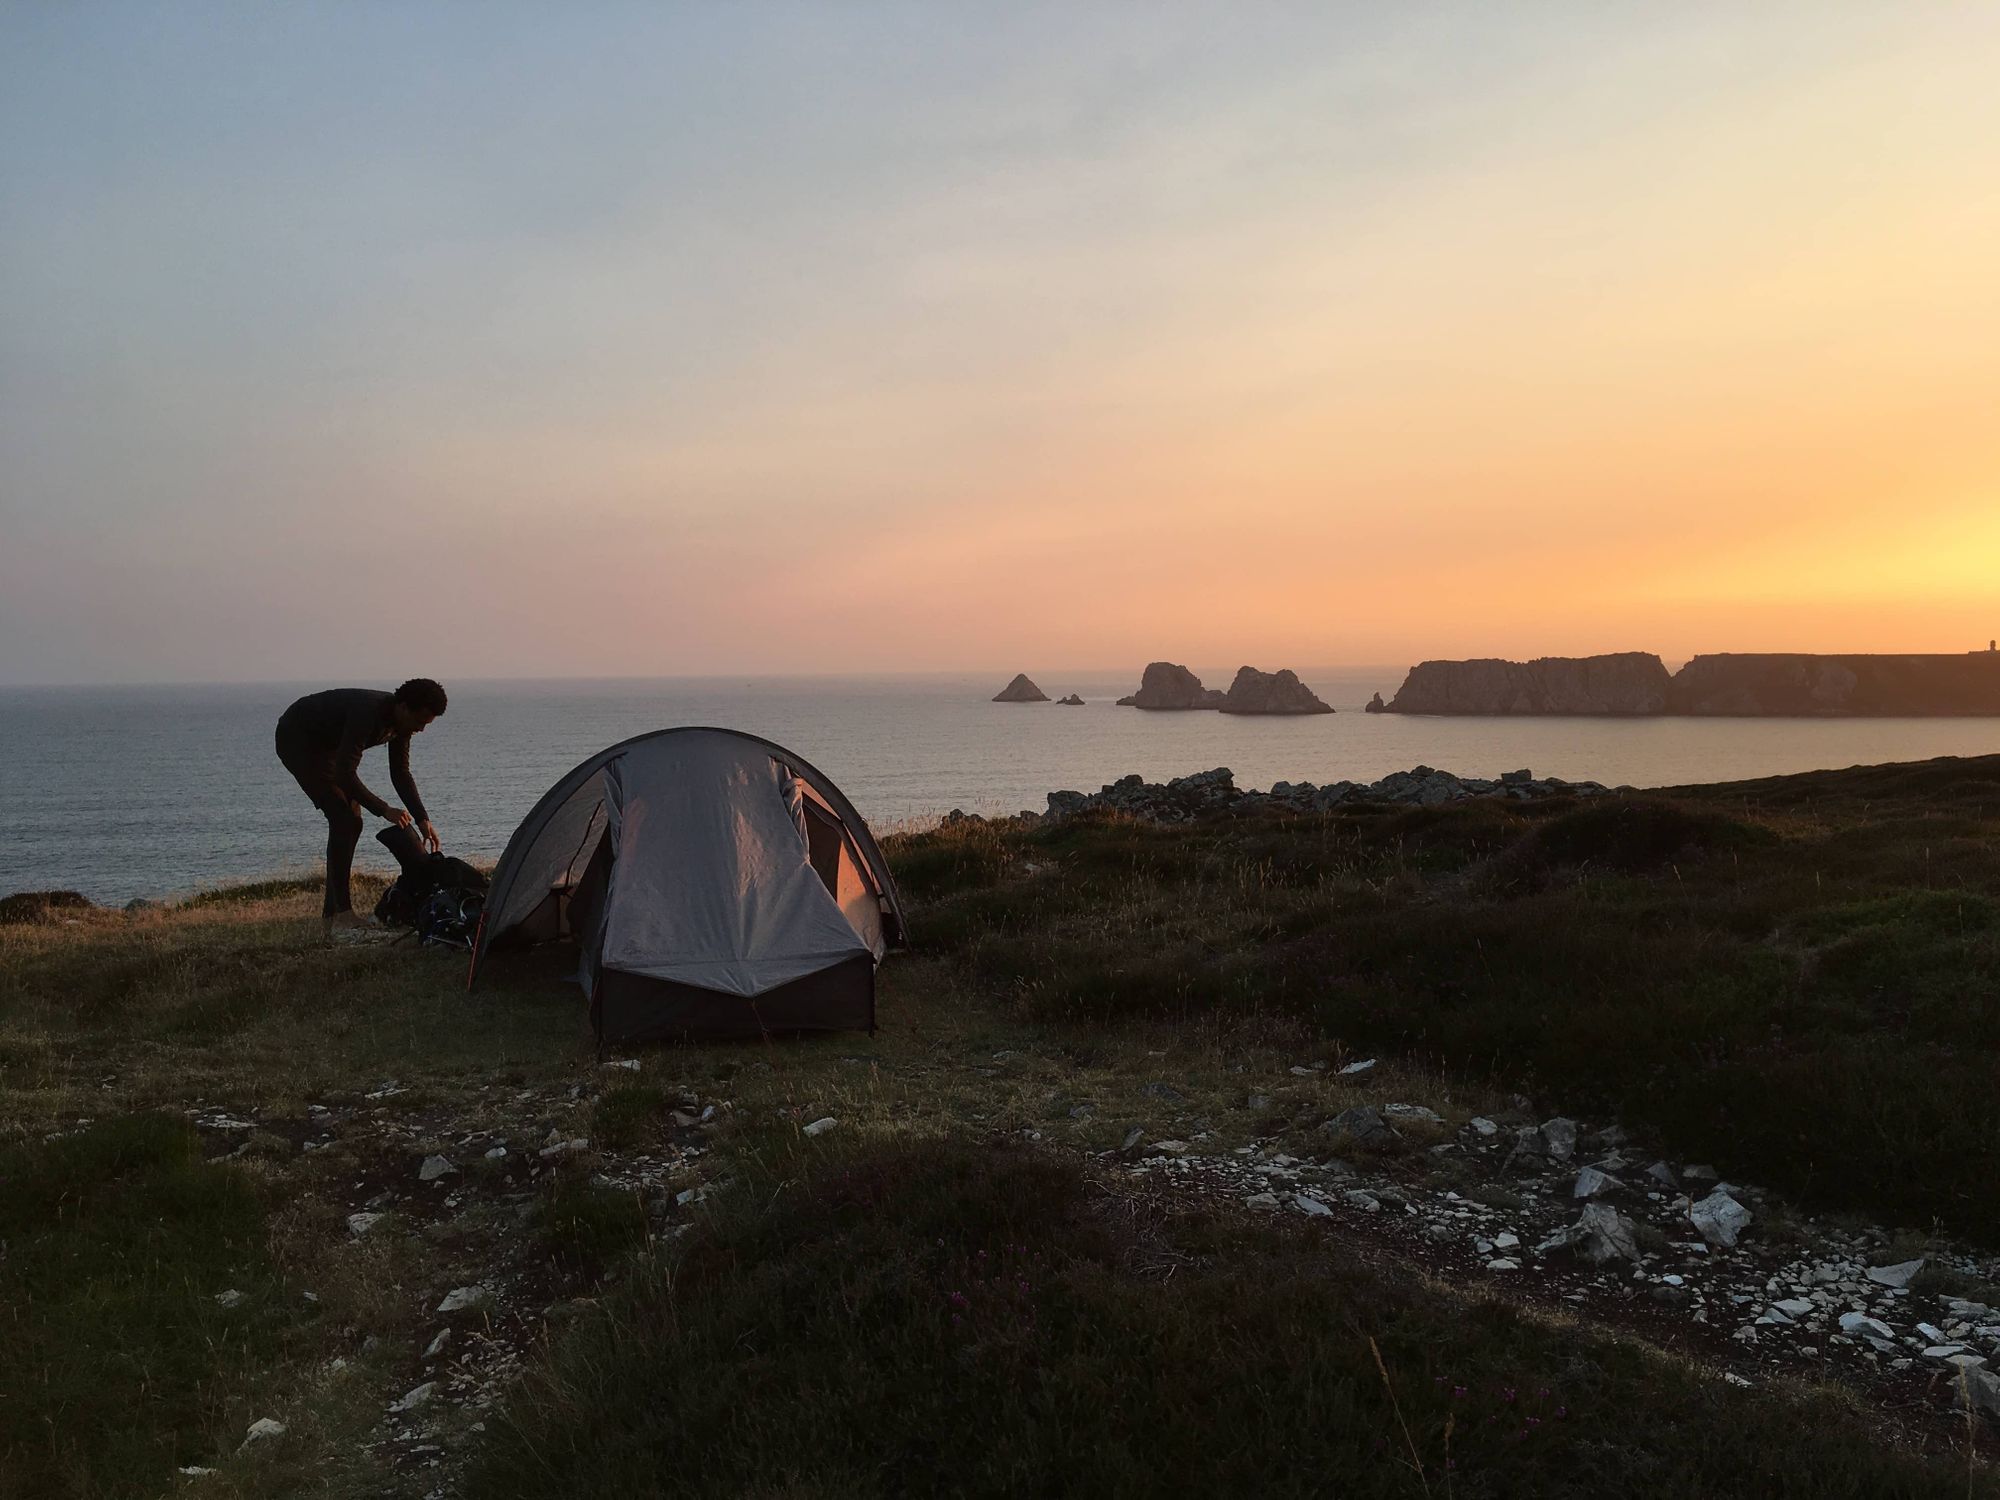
(1261, 1201)
(360, 1224)
(230, 1300)
(461, 1298)
(1591, 1183)
(1366, 1201)
(433, 1168)
(1354, 1067)
(624, 1064)
(1413, 1112)
(1503, 1263)
(1482, 1126)
(1305, 1203)
(497, 1153)
(262, 1428)
(1505, 1241)
(822, 1126)
(1901, 1274)
(414, 1398)
(1864, 1326)
(1720, 1218)
(438, 1344)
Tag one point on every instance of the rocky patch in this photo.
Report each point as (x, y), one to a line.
(1209, 793)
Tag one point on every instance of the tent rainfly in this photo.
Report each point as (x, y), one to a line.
(715, 884)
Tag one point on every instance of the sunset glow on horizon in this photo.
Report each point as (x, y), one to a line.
(338, 340)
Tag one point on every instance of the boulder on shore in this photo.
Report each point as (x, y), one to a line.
(1020, 690)
(1255, 692)
(1169, 686)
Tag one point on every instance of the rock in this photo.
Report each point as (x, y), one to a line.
(230, 1300)
(1559, 1136)
(1072, 701)
(414, 1398)
(1257, 1103)
(1364, 1125)
(1803, 685)
(1663, 1174)
(1860, 1325)
(1503, 1263)
(1413, 1112)
(1164, 1091)
(1899, 1275)
(1354, 1068)
(1170, 687)
(623, 1064)
(1516, 778)
(1979, 1390)
(821, 1126)
(135, 905)
(461, 1298)
(1132, 1139)
(1697, 1173)
(559, 1147)
(1591, 1183)
(1375, 705)
(1307, 1204)
(1621, 683)
(439, 1344)
(1601, 1234)
(1480, 1126)
(1255, 692)
(359, 1224)
(1261, 1201)
(433, 1168)
(1364, 1200)
(262, 1429)
(1794, 1307)
(1020, 690)
(1719, 1218)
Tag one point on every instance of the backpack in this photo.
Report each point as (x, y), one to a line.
(410, 895)
(449, 916)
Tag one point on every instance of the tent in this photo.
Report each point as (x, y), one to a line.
(715, 884)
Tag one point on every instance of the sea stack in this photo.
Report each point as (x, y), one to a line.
(1072, 701)
(1169, 687)
(1020, 690)
(1281, 692)
(1375, 705)
(1624, 683)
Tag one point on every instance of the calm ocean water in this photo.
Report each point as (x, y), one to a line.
(122, 792)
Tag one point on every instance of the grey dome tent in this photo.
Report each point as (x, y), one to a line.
(715, 884)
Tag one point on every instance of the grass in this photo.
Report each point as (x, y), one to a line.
(118, 1361)
(1793, 979)
(945, 1317)
(1799, 980)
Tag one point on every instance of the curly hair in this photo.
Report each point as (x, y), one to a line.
(422, 694)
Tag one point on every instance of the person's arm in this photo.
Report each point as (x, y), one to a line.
(347, 769)
(405, 783)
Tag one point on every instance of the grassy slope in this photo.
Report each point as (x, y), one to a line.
(1795, 979)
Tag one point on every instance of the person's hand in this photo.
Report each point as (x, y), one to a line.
(400, 818)
(429, 834)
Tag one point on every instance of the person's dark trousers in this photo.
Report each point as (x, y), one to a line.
(314, 773)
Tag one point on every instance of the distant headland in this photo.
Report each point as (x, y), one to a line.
(1724, 684)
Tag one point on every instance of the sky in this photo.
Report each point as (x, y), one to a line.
(358, 340)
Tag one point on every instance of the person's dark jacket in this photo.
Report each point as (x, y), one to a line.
(326, 734)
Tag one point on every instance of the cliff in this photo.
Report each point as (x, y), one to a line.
(1020, 690)
(1255, 692)
(1623, 683)
(1167, 686)
(1797, 685)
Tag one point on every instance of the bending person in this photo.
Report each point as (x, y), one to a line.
(321, 739)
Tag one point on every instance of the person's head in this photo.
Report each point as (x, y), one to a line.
(417, 702)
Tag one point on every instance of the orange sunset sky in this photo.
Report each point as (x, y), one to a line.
(657, 340)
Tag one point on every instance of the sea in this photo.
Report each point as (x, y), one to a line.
(158, 792)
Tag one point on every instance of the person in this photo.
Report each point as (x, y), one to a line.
(320, 741)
